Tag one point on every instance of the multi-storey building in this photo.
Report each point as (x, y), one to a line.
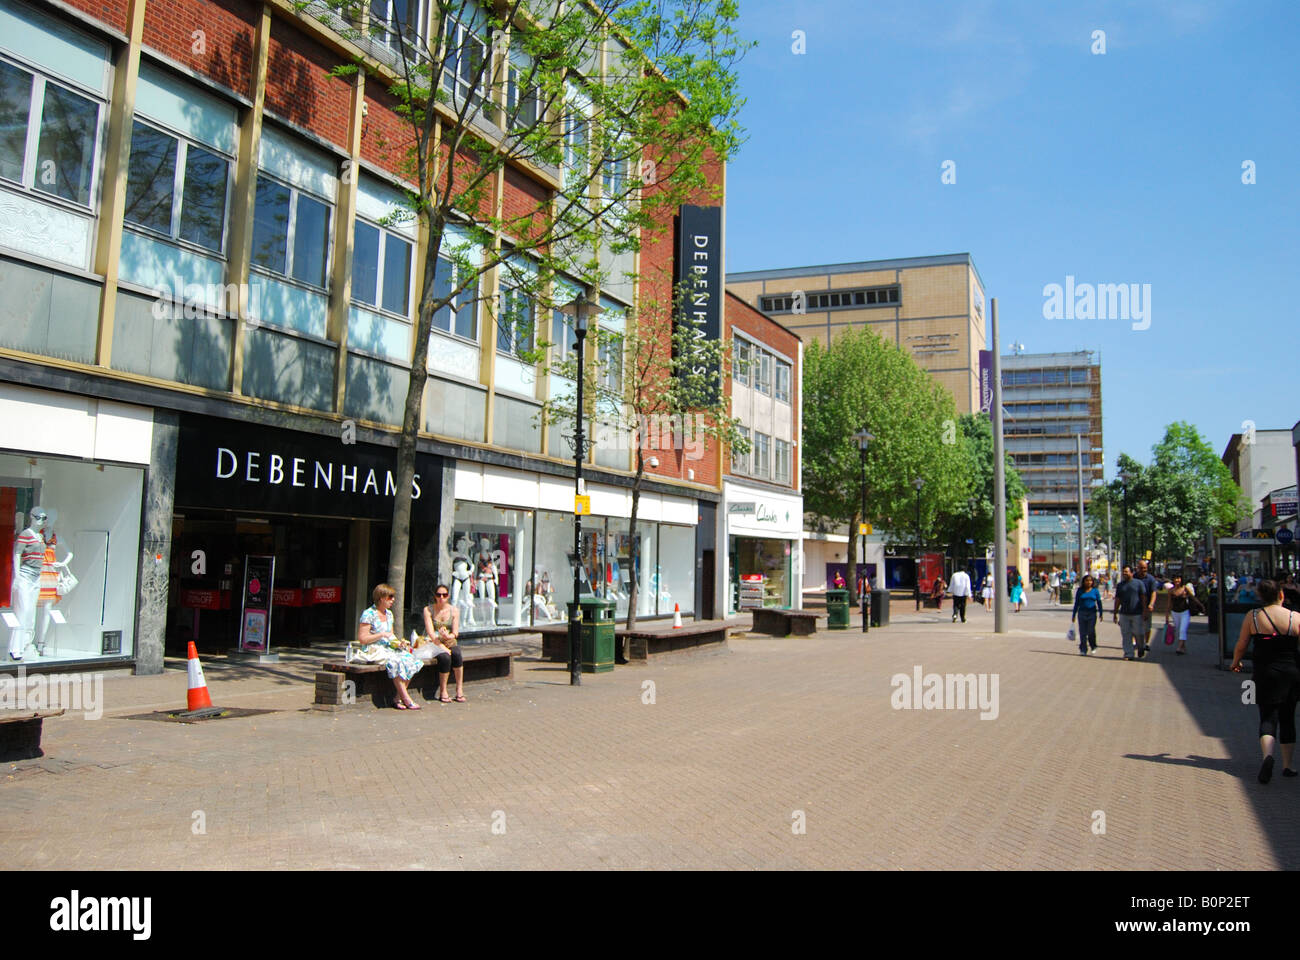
(931, 306)
(761, 489)
(1261, 461)
(1049, 400)
(206, 338)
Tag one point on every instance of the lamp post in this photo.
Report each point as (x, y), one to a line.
(970, 506)
(1123, 482)
(917, 484)
(864, 437)
(579, 309)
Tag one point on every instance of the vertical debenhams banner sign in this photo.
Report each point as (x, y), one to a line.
(698, 273)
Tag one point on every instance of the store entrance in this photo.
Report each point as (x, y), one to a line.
(760, 572)
(206, 590)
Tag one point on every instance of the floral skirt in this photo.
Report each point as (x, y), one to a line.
(402, 665)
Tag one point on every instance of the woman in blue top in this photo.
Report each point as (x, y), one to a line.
(1087, 608)
(376, 631)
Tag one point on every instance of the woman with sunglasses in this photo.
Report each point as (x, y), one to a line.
(442, 625)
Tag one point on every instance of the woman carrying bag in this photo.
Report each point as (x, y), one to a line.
(1182, 601)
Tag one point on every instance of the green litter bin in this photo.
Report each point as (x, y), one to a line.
(597, 634)
(1067, 593)
(837, 609)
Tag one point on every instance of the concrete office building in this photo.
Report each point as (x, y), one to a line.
(931, 306)
(1049, 399)
(1261, 461)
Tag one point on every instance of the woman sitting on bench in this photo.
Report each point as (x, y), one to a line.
(442, 625)
(376, 634)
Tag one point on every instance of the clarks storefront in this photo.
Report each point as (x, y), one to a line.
(316, 507)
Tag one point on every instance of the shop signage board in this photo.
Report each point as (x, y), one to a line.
(698, 271)
(255, 613)
(986, 381)
(226, 463)
(776, 517)
(582, 504)
(1284, 535)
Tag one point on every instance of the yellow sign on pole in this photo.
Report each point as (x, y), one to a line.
(864, 529)
(582, 504)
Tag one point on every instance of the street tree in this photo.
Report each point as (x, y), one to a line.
(487, 90)
(955, 526)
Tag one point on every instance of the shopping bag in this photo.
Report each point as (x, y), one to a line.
(1069, 635)
(1169, 634)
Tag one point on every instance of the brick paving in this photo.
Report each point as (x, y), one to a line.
(735, 750)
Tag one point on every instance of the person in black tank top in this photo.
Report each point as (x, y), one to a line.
(1276, 675)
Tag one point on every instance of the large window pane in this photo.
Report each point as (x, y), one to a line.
(365, 263)
(397, 274)
(271, 225)
(15, 110)
(467, 313)
(203, 198)
(442, 290)
(675, 569)
(66, 151)
(310, 240)
(150, 178)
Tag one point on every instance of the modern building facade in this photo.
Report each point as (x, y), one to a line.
(931, 306)
(207, 335)
(1049, 400)
(763, 505)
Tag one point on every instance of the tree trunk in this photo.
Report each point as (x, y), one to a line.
(634, 552)
(851, 560)
(404, 473)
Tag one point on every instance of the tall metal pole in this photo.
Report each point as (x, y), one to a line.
(999, 484)
(1078, 442)
(1110, 543)
(579, 454)
(864, 595)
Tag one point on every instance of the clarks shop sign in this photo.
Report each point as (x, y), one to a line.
(231, 465)
(756, 511)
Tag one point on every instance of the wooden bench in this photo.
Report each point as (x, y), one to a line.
(483, 663)
(784, 623)
(654, 639)
(20, 733)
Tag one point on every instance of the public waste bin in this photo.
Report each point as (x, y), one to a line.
(837, 609)
(1067, 593)
(880, 608)
(597, 630)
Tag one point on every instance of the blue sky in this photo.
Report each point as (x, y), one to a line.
(1117, 168)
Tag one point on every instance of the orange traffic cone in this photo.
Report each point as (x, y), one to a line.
(198, 693)
(677, 616)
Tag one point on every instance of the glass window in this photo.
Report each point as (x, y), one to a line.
(563, 335)
(783, 371)
(397, 274)
(466, 51)
(781, 473)
(740, 461)
(203, 198)
(365, 263)
(311, 240)
(740, 368)
(609, 356)
(675, 569)
(522, 105)
(464, 306)
(467, 313)
(762, 455)
(15, 111)
(150, 179)
(271, 225)
(762, 371)
(65, 152)
(491, 553)
(381, 268)
(515, 326)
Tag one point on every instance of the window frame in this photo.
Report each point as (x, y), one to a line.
(458, 90)
(741, 463)
(510, 291)
(786, 367)
(291, 233)
(741, 360)
(782, 464)
(40, 80)
(762, 467)
(182, 144)
(763, 362)
(454, 308)
(381, 265)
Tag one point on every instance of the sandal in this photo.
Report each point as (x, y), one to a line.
(460, 698)
(444, 699)
(413, 706)
(398, 705)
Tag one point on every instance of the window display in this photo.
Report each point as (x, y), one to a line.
(489, 546)
(91, 547)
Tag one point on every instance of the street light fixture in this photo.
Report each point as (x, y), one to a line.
(580, 309)
(1124, 478)
(864, 437)
(917, 484)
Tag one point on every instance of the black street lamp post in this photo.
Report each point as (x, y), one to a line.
(917, 484)
(1123, 481)
(579, 310)
(864, 437)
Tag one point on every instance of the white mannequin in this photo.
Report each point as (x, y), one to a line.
(462, 571)
(487, 575)
(24, 591)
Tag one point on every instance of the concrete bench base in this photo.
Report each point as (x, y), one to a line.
(487, 663)
(20, 734)
(784, 623)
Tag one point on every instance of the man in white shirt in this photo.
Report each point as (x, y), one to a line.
(959, 589)
(1054, 586)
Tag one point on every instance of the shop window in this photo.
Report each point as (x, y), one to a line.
(74, 529)
(381, 268)
(291, 232)
(61, 158)
(176, 188)
(490, 551)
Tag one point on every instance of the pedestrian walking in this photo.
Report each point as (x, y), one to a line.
(1087, 609)
(1276, 675)
(960, 589)
(1182, 600)
(936, 592)
(1130, 601)
(986, 592)
(1152, 587)
(1017, 592)
(1054, 586)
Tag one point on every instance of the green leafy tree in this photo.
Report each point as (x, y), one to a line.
(862, 381)
(487, 89)
(972, 517)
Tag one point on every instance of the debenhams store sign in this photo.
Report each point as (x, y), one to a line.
(230, 465)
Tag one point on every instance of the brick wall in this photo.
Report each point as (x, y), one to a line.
(386, 138)
(521, 199)
(110, 12)
(213, 39)
(741, 316)
(299, 89)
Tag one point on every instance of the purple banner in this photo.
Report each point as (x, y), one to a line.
(986, 381)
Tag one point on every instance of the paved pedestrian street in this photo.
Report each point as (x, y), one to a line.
(778, 753)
